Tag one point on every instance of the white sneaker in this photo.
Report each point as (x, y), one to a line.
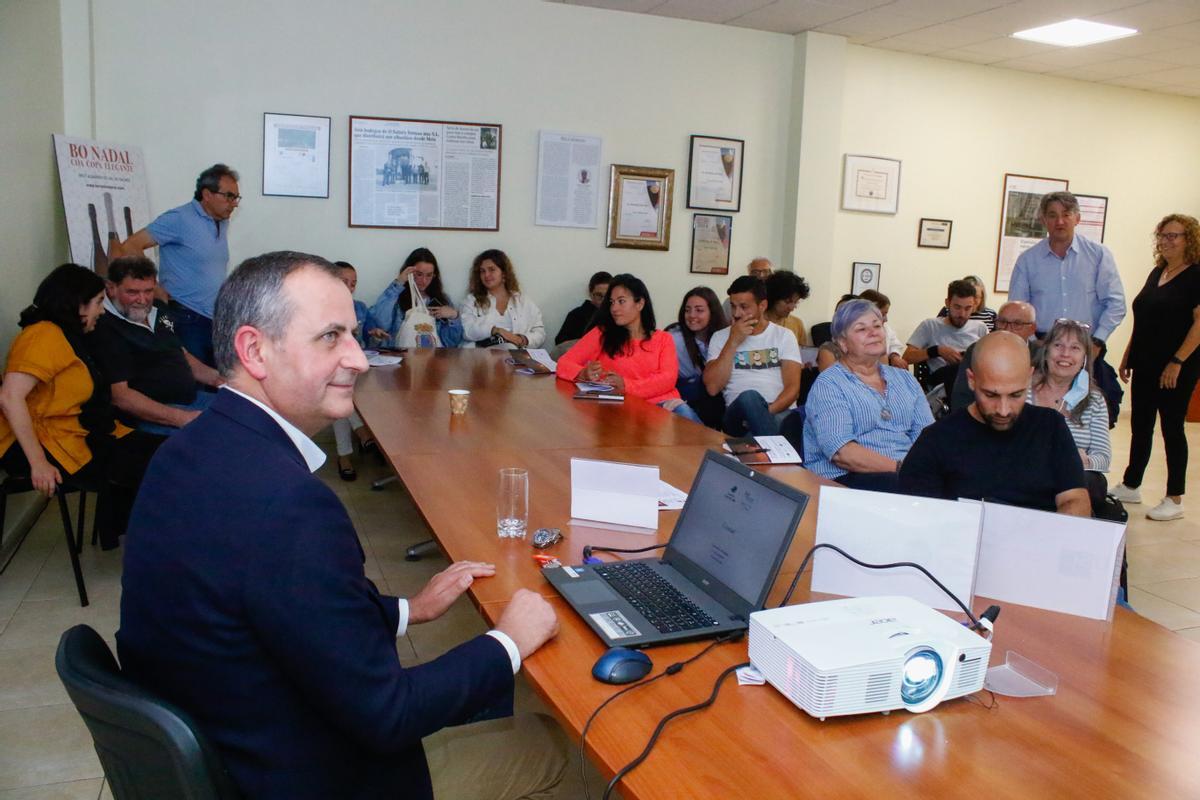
(1166, 510)
(1125, 494)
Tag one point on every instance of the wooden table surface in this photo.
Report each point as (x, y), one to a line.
(1123, 723)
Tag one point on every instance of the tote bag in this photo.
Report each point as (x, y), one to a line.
(419, 328)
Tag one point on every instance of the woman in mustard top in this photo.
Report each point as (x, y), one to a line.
(57, 410)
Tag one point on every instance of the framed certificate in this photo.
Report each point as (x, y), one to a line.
(711, 235)
(871, 184)
(864, 275)
(295, 155)
(715, 173)
(639, 207)
(934, 233)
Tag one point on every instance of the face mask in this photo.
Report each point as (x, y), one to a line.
(1079, 390)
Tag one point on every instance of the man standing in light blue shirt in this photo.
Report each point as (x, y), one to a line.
(1065, 276)
(193, 249)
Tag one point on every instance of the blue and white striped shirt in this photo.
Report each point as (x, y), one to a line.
(842, 409)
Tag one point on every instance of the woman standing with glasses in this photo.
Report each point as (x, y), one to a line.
(1162, 357)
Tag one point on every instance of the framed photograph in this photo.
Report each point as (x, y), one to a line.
(1020, 226)
(864, 275)
(295, 155)
(711, 235)
(420, 173)
(871, 184)
(934, 233)
(715, 173)
(639, 207)
(1093, 212)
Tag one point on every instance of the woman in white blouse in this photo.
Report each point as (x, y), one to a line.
(495, 313)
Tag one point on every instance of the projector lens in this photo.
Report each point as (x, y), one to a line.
(922, 674)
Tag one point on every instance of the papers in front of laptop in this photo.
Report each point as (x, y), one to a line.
(670, 498)
(1056, 562)
(609, 491)
(943, 536)
(775, 450)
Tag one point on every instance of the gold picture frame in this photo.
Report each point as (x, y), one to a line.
(639, 207)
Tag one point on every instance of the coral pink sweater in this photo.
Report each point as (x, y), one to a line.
(649, 367)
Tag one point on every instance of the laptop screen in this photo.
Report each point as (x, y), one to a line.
(736, 526)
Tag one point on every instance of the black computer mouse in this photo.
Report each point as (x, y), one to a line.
(622, 665)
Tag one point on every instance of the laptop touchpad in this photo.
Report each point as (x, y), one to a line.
(588, 592)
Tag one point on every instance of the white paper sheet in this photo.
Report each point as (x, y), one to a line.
(941, 535)
(608, 491)
(1051, 561)
(379, 360)
(543, 357)
(670, 498)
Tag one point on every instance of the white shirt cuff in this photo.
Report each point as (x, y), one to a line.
(514, 655)
(402, 625)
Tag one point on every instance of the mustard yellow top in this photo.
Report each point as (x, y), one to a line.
(794, 325)
(64, 385)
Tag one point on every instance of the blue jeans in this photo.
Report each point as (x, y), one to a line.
(750, 415)
(194, 331)
(203, 400)
(685, 411)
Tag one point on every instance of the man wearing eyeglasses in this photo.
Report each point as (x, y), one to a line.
(1014, 316)
(193, 253)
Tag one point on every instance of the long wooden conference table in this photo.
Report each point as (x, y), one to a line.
(1124, 723)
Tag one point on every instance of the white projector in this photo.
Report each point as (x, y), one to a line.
(866, 654)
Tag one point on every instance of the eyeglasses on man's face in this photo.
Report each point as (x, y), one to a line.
(230, 196)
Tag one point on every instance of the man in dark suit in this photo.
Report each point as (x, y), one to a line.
(244, 599)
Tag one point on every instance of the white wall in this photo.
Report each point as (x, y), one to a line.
(959, 127)
(189, 83)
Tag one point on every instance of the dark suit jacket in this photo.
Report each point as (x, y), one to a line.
(245, 603)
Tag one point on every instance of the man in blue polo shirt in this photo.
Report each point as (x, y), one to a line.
(193, 251)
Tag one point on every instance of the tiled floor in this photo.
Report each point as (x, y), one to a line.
(46, 752)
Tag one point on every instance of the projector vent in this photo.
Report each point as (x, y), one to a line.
(877, 688)
(968, 675)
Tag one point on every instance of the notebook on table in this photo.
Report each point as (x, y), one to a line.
(719, 565)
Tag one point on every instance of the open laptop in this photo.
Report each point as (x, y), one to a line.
(719, 565)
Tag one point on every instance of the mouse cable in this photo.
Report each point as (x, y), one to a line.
(679, 712)
(671, 670)
(589, 549)
(975, 623)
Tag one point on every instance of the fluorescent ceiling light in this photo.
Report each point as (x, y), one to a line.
(1075, 33)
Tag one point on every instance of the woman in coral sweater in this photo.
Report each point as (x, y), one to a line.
(625, 349)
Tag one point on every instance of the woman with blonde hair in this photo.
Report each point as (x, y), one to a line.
(495, 312)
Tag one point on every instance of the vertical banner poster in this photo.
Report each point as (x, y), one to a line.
(568, 179)
(104, 196)
(1020, 226)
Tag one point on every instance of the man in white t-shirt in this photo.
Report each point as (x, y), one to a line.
(755, 364)
(942, 340)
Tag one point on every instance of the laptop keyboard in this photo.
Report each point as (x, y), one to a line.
(666, 608)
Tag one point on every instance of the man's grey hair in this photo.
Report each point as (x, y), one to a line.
(211, 179)
(848, 313)
(1069, 203)
(253, 295)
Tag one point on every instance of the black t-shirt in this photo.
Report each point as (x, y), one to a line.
(1162, 316)
(577, 323)
(1027, 465)
(150, 362)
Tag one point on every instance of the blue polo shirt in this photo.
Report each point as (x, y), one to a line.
(193, 254)
(1083, 286)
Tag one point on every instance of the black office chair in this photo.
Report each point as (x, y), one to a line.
(820, 333)
(18, 484)
(147, 747)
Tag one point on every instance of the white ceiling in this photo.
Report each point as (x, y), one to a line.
(1163, 57)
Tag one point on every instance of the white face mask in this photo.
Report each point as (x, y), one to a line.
(1079, 390)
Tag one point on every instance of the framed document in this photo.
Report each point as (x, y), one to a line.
(715, 173)
(419, 173)
(639, 207)
(871, 184)
(1093, 211)
(934, 233)
(295, 155)
(1020, 226)
(711, 234)
(864, 275)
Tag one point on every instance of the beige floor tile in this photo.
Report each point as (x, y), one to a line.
(75, 790)
(48, 744)
(106, 792)
(29, 679)
(40, 623)
(1164, 612)
(1185, 592)
(460, 623)
(1152, 563)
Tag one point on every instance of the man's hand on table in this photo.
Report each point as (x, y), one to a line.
(444, 588)
(529, 621)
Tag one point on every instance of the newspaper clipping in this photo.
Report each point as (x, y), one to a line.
(423, 174)
(104, 196)
(568, 165)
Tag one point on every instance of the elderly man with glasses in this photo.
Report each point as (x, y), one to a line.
(1014, 316)
(193, 254)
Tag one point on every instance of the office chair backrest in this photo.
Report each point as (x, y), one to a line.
(148, 748)
(820, 333)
